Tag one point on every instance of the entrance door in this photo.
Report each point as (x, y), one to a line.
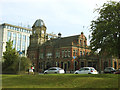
(75, 65)
(65, 67)
(115, 65)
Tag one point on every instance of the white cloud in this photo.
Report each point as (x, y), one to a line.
(58, 15)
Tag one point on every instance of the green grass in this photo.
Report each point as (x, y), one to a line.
(60, 81)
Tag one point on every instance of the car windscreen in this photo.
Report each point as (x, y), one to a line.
(92, 69)
(52, 69)
(81, 69)
(109, 68)
(86, 68)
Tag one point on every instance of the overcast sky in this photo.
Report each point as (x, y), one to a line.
(69, 17)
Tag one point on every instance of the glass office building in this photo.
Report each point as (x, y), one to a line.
(19, 36)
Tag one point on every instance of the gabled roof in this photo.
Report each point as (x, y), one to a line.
(63, 41)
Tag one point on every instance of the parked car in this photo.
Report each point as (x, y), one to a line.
(86, 70)
(117, 72)
(109, 70)
(53, 70)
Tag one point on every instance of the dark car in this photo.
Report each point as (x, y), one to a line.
(117, 72)
(109, 70)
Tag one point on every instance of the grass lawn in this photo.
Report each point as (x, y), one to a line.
(60, 81)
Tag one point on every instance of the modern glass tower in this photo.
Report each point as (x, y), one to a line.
(19, 36)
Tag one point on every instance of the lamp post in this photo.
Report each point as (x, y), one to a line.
(1, 63)
(20, 53)
(1, 51)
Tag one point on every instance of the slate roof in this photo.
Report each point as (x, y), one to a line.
(62, 42)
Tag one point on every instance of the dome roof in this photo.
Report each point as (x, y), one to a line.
(38, 23)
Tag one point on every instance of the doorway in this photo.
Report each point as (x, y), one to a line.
(115, 65)
(65, 67)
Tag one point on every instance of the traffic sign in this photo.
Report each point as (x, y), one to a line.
(20, 52)
(74, 57)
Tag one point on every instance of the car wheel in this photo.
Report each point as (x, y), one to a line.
(55, 72)
(45, 73)
(89, 73)
(76, 73)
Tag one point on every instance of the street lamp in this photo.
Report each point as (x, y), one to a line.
(1, 51)
(20, 53)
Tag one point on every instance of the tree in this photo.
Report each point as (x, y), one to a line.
(25, 64)
(10, 63)
(106, 30)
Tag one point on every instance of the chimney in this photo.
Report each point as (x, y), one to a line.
(59, 35)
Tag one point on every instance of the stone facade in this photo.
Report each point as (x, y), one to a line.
(69, 53)
(64, 52)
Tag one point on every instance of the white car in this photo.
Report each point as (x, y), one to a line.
(86, 70)
(109, 70)
(53, 70)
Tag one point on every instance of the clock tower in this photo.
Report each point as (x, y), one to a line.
(38, 32)
(37, 38)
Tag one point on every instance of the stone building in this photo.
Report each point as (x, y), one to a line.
(64, 52)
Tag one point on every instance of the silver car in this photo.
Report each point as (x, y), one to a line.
(86, 70)
(109, 70)
(54, 70)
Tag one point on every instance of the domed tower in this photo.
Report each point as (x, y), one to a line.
(38, 32)
(37, 38)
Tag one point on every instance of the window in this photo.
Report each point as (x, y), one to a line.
(15, 28)
(27, 41)
(57, 54)
(68, 53)
(65, 53)
(23, 43)
(62, 53)
(52, 69)
(8, 35)
(14, 40)
(18, 29)
(41, 56)
(19, 42)
(73, 52)
(76, 51)
(11, 27)
(80, 53)
(86, 68)
(83, 52)
(30, 32)
(8, 27)
(49, 55)
(82, 69)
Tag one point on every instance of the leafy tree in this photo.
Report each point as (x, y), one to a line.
(106, 30)
(25, 64)
(12, 60)
(10, 56)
